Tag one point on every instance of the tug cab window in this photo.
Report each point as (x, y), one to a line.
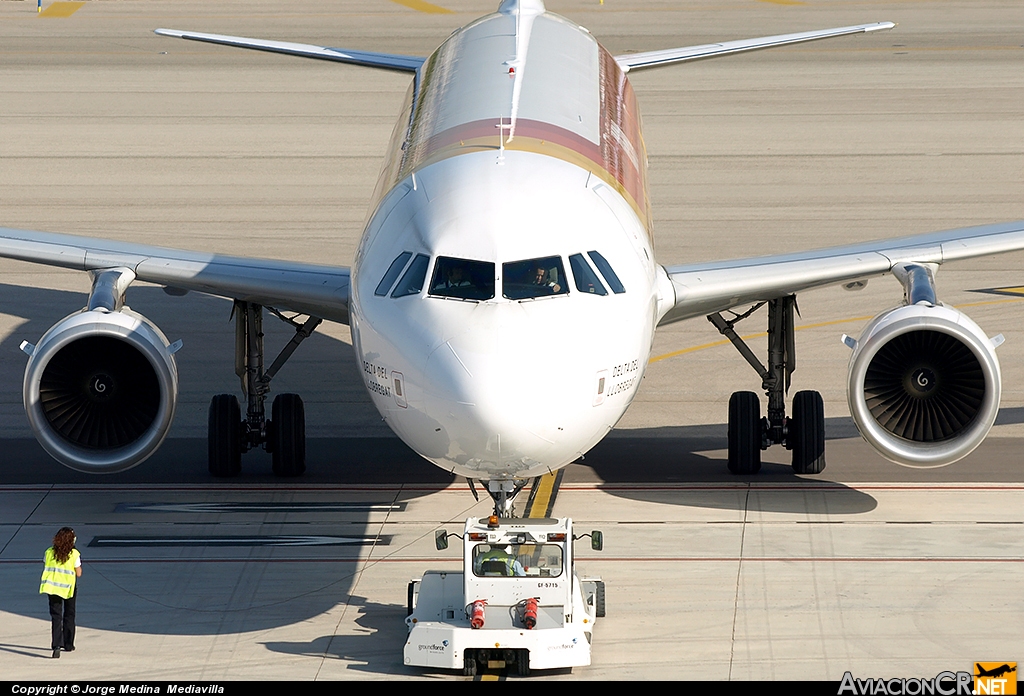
(462, 279)
(412, 282)
(517, 560)
(586, 280)
(393, 270)
(533, 278)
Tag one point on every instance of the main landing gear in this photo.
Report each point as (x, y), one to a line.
(804, 432)
(284, 434)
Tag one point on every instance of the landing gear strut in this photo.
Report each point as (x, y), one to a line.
(749, 433)
(284, 435)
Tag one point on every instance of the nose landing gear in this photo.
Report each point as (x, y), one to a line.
(504, 493)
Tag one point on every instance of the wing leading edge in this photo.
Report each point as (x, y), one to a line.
(321, 291)
(702, 289)
(388, 61)
(653, 59)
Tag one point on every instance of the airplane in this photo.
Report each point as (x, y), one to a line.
(995, 671)
(504, 296)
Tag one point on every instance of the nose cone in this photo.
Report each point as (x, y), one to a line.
(514, 400)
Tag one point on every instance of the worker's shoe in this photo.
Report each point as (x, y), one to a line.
(56, 653)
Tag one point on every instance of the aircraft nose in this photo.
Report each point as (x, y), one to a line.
(509, 402)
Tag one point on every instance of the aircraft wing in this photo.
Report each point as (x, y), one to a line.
(702, 289)
(321, 291)
(652, 59)
(371, 59)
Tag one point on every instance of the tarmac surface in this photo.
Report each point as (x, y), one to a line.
(109, 130)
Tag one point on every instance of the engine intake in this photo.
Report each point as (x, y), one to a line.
(924, 385)
(100, 390)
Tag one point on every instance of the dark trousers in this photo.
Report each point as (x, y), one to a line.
(62, 617)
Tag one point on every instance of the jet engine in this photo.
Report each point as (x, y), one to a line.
(100, 389)
(924, 384)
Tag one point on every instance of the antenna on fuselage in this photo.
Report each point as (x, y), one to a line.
(522, 43)
(501, 126)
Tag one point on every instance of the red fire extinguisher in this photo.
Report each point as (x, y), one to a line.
(476, 613)
(530, 613)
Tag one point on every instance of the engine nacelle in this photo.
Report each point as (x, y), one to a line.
(100, 389)
(924, 385)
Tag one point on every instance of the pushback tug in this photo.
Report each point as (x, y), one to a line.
(517, 603)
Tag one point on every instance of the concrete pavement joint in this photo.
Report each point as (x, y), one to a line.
(736, 596)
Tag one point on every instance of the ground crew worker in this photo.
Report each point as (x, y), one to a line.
(62, 566)
(504, 558)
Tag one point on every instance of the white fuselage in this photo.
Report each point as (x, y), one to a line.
(528, 168)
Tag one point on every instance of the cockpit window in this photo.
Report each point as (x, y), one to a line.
(532, 278)
(586, 280)
(393, 270)
(462, 279)
(606, 270)
(517, 560)
(412, 282)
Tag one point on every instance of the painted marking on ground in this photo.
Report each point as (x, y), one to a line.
(1016, 290)
(221, 541)
(456, 563)
(422, 6)
(221, 508)
(542, 494)
(61, 9)
(725, 341)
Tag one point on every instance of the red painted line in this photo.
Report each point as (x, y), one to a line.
(804, 559)
(588, 559)
(120, 561)
(89, 487)
(796, 487)
(398, 488)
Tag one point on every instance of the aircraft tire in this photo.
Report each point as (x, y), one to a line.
(744, 433)
(288, 426)
(224, 446)
(807, 433)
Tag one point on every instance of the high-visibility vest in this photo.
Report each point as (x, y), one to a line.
(499, 555)
(59, 578)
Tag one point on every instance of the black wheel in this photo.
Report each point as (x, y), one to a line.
(409, 597)
(288, 435)
(523, 663)
(599, 599)
(469, 663)
(806, 435)
(744, 433)
(224, 436)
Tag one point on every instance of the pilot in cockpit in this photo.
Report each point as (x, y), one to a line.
(541, 278)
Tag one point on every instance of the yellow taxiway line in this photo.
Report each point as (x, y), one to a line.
(61, 9)
(725, 341)
(423, 6)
